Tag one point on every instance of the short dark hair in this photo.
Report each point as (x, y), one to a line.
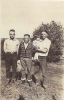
(12, 30)
(27, 35)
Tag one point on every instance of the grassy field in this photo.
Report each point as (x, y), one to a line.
(54, 82)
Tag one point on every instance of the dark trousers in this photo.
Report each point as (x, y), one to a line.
(11, 64)
(43, 65)
(40, 73)
(26, 64)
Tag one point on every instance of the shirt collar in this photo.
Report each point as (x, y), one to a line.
(26, 43)
(11, 39)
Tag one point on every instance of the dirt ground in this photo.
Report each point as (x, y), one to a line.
(54, 85)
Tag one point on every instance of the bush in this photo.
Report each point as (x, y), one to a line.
(55, 32)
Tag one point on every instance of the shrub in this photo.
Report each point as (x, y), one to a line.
(55, 32)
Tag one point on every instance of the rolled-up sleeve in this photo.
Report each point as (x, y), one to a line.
(45, 46)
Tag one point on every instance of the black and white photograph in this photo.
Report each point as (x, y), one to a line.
(31, 49)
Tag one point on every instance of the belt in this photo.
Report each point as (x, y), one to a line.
(12, 53)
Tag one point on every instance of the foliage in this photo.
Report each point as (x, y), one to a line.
(55, 32)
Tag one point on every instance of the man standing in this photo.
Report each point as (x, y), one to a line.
(11, 46)
(42, 48)
(25, 55)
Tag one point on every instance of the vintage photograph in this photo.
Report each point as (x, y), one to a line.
(32, 50)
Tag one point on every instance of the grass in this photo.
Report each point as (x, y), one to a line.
(54, 90)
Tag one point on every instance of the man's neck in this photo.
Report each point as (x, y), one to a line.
(12, 39)
(26, 42)
(44, 38)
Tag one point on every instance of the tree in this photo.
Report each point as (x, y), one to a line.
(55, 32)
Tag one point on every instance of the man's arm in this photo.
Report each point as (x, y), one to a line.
(33, 49)
(18, 44)
(44, 50)
(19, 51)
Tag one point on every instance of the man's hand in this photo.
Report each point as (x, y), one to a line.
(18, 62)
(44, 50)
(19, 67)
(37, 48)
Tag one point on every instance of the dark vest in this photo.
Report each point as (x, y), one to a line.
(25, 53)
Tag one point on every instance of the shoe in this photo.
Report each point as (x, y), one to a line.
(42, 85)
(9, 81)
(23, 80)
(34, 79)
(37, 84)
(29, 81)
(21, 97)
(13, 80)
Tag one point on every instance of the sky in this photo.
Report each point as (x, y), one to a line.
(26, 15)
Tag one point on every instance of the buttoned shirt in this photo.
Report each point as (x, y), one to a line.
(11, 45)
(25, 44)
(42, 44)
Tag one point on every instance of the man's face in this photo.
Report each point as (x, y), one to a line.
(12, 34)
(44, 35)
(26, 39)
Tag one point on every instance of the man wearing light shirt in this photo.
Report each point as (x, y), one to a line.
(42, 48)
(11, 46)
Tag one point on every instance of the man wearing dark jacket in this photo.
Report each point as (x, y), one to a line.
(25, 55)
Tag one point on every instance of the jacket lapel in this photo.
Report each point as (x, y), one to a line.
(28, 46)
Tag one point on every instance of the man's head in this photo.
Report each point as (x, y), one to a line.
(44, 35)
(26, 38)
(12, 34)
